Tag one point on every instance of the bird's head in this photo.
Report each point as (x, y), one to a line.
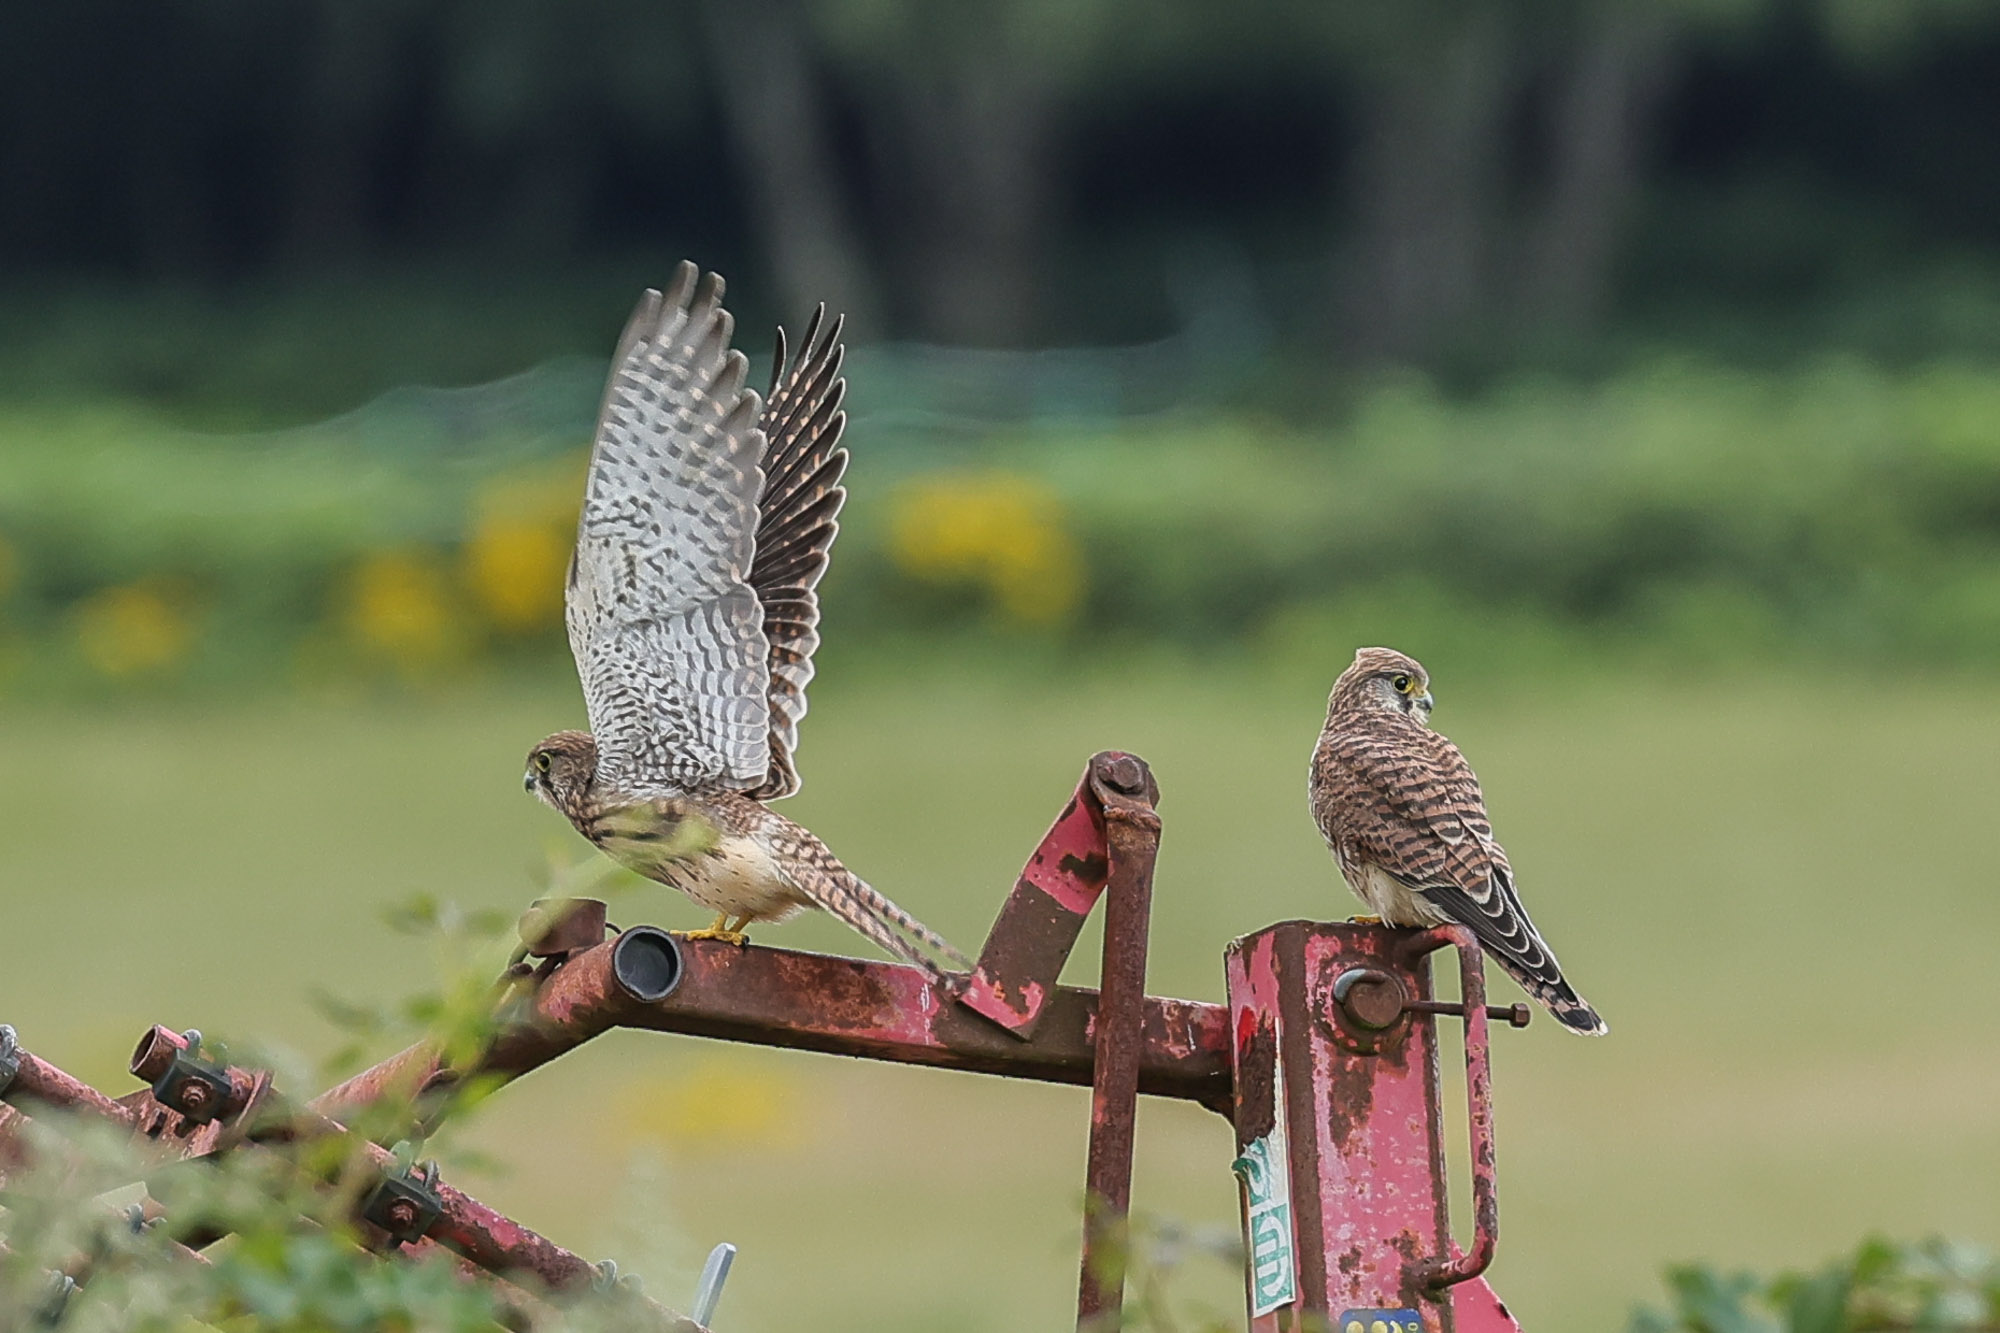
(1383, 680)
(561, 769)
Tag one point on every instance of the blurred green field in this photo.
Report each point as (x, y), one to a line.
(1773, 887)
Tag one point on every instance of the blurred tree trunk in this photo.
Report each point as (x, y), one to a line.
(348, 92)
(1426, 186)
(1616, 75)
(776, 109)
(974, 200)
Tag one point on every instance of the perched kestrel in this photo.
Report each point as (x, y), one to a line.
(707, 518)
(1401, 810)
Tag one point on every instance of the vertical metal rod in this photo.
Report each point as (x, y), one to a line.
(1459, 1266)
(1132, 833)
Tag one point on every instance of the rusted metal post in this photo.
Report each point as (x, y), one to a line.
(1339, 1128)
(1126, 794)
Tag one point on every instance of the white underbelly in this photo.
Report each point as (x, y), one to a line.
(738, 878)
(1390, 899)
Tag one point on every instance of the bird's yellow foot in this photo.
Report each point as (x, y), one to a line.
(1364, 921)
(722, 928)
(735, 937)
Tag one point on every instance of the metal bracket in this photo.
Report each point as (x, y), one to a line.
(406, 1204)
(198, 1089)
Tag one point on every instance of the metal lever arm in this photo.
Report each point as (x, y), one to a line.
(1461, 1265)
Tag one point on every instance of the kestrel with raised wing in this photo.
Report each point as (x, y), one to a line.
(693, 616)
(1401, 811)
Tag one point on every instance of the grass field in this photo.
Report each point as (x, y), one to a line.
(1779, 892)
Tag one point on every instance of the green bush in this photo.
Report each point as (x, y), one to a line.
(1933, 1285)
(1836, 512)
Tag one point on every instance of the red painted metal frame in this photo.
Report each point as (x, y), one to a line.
(817, 1002)
(1327, 1049)
(1344, 1090)
(1041, 918)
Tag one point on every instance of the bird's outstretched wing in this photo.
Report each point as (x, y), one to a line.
(797, 521)
(667, 633)
(1409, 803)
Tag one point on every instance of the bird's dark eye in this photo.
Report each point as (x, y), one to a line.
(1401, 682)
(542, 762)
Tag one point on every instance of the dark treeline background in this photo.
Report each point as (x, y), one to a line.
(1461, 184)
(1672, 325)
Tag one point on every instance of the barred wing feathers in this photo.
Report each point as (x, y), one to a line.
(666, 630)
(797, 521)
(1409, 802)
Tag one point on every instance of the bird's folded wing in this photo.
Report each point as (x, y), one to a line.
(1416, 811)
(797, 521)
(667, 633)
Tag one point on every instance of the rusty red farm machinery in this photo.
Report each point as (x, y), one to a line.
(1325, 1059)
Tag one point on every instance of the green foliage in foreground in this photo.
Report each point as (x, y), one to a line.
(292, 1255)
(1882, 1286)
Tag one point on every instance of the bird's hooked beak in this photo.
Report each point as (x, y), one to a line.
(528, 780)
(1423, 704)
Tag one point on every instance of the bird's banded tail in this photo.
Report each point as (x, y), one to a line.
(1560, 999)
(1502, 925)
(869, 911)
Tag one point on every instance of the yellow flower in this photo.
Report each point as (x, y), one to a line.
(519, 546)
(1006, 533)
(398, 605)
(515, 572)
(719, 1103)
(133, 630)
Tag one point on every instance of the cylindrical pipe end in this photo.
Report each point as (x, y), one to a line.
(646, 963)
(155, 1053)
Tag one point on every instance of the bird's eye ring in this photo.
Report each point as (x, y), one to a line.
(1402, 683)
(542, 762)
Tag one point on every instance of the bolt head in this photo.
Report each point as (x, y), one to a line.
(1125, 774)
(194, 1096)
(1369, 998)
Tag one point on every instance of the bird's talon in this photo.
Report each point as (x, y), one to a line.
(735, 937)
(1364, 921)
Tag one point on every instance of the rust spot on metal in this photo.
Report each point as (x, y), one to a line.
(1257, 1074)
(844, 998)
(1089, 868)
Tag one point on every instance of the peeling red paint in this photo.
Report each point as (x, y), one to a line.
(1360, 1116)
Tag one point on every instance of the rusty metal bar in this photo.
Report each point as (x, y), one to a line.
(813, 1002)
(1124, 790)
(37, 1082)
(489, 1239)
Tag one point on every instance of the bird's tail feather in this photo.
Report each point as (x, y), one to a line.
(872, 913)
(1502, 925)
(1560, 999)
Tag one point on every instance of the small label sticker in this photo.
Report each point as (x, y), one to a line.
(1380, 1321)
(1267, 1209)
